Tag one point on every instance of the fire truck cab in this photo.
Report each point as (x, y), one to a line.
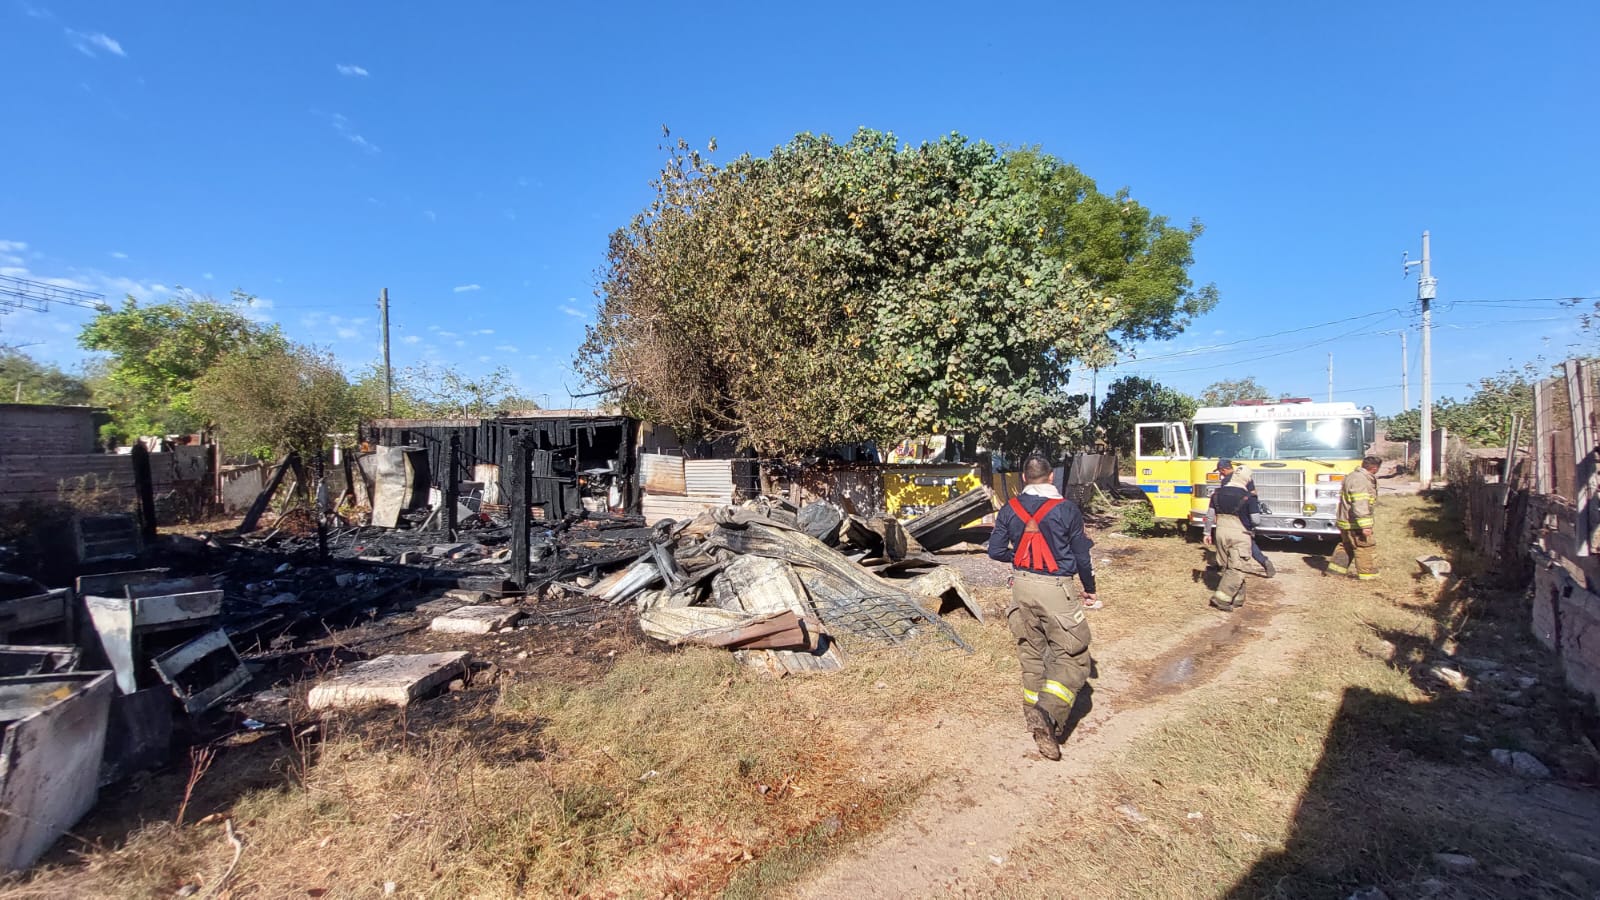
(1296, 451)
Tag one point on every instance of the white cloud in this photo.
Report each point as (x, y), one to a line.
(463, 288)
(483, 359)
(95, 43)
(411, 339)
(348, 334)
(461, 343)
(260, 303)
(13, 246)
(351, 70)
(447, 334)
(433, 328)
(208, 276)
(574, 311)
(349, 133)
(432, 216)
(118, 254)
(483, 331)
(507, 348)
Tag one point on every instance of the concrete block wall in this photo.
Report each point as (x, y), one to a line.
(28, 429)
(1566, 619)
(41, 477)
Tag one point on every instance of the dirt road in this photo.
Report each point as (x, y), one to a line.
(994, 784)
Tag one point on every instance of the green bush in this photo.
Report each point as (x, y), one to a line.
(1139, 519)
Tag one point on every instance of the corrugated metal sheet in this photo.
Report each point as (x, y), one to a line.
(662, 474)
(709, 478)
(657, 507)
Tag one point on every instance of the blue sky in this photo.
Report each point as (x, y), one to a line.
(473, 157)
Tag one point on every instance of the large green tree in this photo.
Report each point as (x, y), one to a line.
(156, 352)
(835, 292)
(1132, 399)
(24, 379)
(1122, 248)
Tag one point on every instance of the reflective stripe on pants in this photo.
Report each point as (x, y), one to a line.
(1356, 555)
(1046, 617)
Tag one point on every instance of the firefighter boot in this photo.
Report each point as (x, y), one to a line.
(1044, 732)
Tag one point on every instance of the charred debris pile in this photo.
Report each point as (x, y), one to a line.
(120, 670)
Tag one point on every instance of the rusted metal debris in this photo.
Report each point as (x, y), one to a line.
(737, 568)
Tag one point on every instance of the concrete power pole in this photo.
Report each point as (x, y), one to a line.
(1405, 375)
(388, 372)
(1427, 290)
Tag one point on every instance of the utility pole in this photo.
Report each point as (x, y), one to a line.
(1405, 375)
(1330, 377)
(388, 372)
(1427, 290)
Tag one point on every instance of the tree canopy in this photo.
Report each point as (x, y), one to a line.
(1132, 399)
(1227, 393)
(24, 379)
(840, 292)
(1482, 419)
(276, 397)
(156, 353)
(1123, 249)
(429, 390)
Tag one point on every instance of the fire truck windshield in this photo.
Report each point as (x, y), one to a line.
(1339, 438)
(1319, 439)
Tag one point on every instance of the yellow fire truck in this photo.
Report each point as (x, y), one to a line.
(1296, 451)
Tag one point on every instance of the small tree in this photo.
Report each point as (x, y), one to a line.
(277, 399)
(1227, 393)
(1132, 399)
(428, 390)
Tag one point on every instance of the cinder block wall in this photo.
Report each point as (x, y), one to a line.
(33, 430)
(1566, 618)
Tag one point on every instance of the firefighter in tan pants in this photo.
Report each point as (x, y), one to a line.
(1230, 520)
(1041, 534)
(1358, 504)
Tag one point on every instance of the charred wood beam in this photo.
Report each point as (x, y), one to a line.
(252, 517)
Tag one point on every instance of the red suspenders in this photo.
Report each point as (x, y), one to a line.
(1033, 551)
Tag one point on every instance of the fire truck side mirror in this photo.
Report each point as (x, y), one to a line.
(1369, 426)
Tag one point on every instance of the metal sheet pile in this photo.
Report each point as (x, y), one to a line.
(790, 590)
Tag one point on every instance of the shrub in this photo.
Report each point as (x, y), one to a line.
(1139, 520)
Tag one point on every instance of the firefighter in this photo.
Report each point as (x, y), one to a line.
(1229, 521)
(1358, 504)
(1041, 534)
(1242, 473)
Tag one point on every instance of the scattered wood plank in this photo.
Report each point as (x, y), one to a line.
(941, 526)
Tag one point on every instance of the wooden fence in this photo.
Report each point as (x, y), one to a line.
(1533, 513)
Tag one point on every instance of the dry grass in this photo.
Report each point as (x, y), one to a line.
(670, 774)
(685, 774)
(1350, 773)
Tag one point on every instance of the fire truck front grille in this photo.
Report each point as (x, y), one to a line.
(1281, 491)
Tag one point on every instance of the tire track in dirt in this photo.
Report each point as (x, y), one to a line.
(994, 785)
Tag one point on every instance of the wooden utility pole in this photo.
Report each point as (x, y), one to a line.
(388, 372)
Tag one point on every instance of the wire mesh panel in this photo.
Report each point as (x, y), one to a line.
(892, 619)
